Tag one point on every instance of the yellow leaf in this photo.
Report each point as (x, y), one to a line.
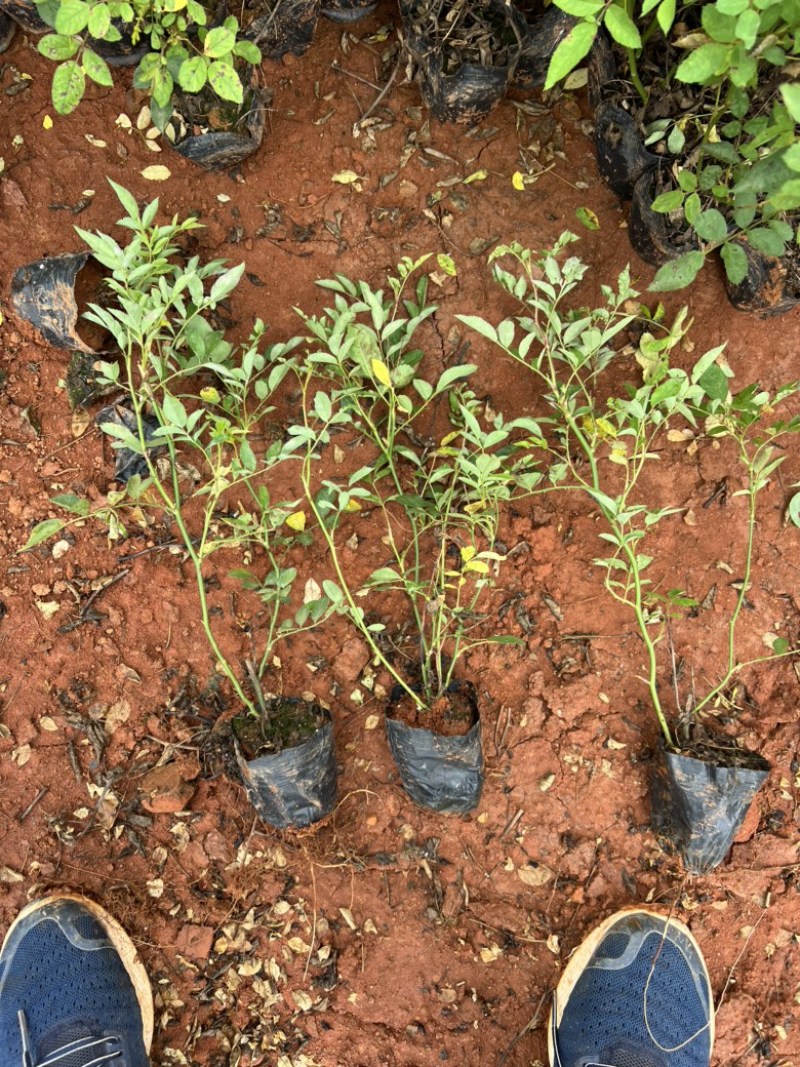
(618, 454)
(156, 173)
(345, 177)
(476, 176)
(296, 521)
(381, 372)
(477, 565)
(447, 264)
(467, 553)
(47, 123)
(518, 180)
(210, 395)
(352, 505)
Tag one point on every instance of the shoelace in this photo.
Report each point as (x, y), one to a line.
(83, 1044)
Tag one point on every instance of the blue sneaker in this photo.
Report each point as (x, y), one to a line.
(636, 993)
(73, 992)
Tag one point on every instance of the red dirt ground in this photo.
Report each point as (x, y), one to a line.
(389, 935)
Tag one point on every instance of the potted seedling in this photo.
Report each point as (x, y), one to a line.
(601, 446)
(179, 49)
(697, 123)
(189, 409)
(280, 26)
(436, 492)
(464, 53)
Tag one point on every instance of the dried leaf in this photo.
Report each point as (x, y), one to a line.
(347, 915)
(81, 421)
(489, 955)
(157, 173)
(117, 714)
(311, 592)
(346, 177)
(535, 876)
(371, 722)
(48, 608)
(9, 876)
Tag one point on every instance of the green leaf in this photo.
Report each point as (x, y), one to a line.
(447, 264)
(710, 226)
(793, 510)
(678, 272)
(666, 15)
(224, 80)
(714, 383)
(705, 361)
(453, 374)
(69, 85)
(248, 52)
(788, 196)
(196, 12)
(192, 74)
(692, 209)
(747, 27)
(570, 52)
(332, 591)
(766, 241)
(676, 140)
(586, 217)
(99, 21)
(96, 68)
(621, 27)
(70, 502)
(162, 86)
(41, 531)
(388, 574)
(72, 16)
(667, 202)
(791, 97)
(56, 46)
(732, 7)
(735, 260)
(703, 64)
(219, 42)
(247, 456)
(582, 9)
(687, 180)
(791, 157)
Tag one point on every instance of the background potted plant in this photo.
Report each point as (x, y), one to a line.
(700, 108)
(187, 407)
(464, 53)
(600, 445)
(179, 48)
(437, 493)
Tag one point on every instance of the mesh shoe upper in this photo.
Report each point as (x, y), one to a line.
(643, 1000)
(62, 971)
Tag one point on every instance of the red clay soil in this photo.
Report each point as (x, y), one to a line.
(388, 935)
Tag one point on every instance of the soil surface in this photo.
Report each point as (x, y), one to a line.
(387, 935)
